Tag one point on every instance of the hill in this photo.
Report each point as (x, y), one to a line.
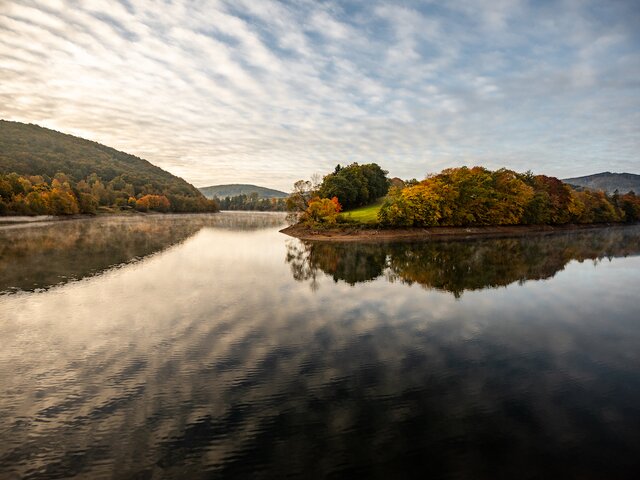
(42, 169)
(607, 181)
(235, 189)
(28, 149)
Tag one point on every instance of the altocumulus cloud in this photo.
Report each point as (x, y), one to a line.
(269, 92)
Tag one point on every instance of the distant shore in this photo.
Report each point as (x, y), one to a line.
(354, 234)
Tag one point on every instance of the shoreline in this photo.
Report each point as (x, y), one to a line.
(354, 234)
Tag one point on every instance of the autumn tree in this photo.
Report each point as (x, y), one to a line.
(322, 211)
(630, 206)
(159, 203)
(477, 196)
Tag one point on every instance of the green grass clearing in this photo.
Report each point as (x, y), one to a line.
(366, 214)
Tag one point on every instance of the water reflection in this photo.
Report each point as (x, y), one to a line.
(208, 360)
(457, 266)
(36, 256)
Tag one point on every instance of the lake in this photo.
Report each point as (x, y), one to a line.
(212, 346)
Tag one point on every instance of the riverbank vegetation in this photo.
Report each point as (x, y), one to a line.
(62, 195)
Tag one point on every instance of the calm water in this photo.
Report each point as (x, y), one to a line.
(216, 347)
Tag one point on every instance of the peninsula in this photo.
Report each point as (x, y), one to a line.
(359, 203)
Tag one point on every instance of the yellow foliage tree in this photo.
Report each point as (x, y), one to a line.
(322, 211)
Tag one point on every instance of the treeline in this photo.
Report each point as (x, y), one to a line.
(62, 195)
(477, 196)
(252, 202)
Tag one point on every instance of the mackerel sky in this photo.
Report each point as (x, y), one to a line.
(267, 92)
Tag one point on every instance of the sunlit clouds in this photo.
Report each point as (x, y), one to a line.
(268, 92)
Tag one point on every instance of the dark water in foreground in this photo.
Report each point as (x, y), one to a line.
(215, 347)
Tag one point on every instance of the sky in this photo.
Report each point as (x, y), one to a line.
(269, 92)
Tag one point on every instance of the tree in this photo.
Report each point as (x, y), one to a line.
(159, 203)
(38, 202)
(322, 211)
(87, 203)
(630, 205)
(303, 192)
(597, 208)
(355, 185)
(62, 201)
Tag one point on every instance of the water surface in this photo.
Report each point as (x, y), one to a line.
(212, 346)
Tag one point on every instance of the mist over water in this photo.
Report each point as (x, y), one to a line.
(212, 346)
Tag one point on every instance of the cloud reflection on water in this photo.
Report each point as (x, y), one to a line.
(209, 357)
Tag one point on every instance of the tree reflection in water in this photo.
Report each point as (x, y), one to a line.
(38, 256)
(456, 266)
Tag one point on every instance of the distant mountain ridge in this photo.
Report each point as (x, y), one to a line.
(235, 189)
(607, 181)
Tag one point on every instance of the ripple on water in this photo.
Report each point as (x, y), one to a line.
(217, 355)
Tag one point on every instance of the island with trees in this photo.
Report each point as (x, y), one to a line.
(359, 202)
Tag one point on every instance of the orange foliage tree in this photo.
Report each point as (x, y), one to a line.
(159, 203)
(322, 211)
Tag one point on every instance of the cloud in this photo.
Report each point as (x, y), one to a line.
(268, 92)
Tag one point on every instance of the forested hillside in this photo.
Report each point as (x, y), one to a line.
(237, 189)
(47, 172)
